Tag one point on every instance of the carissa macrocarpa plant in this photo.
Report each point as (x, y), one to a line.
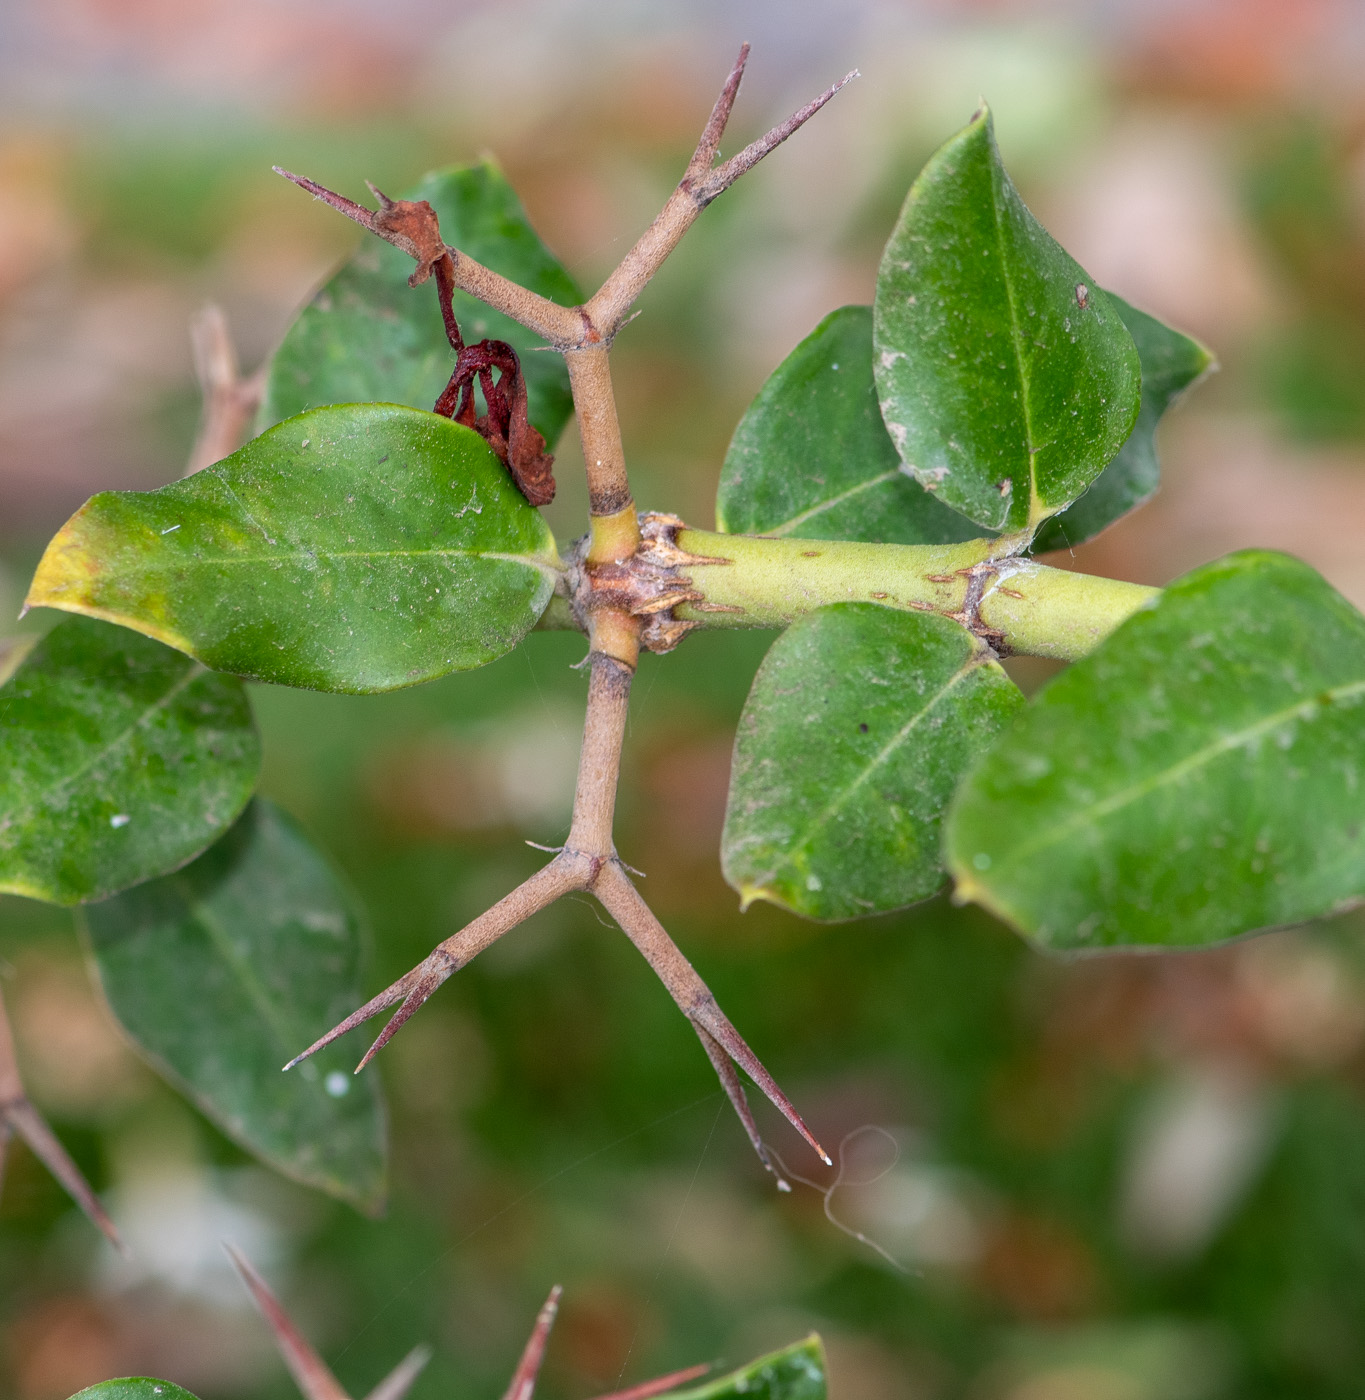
(1195, 774)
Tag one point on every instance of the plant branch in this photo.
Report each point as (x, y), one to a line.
(700, 184)
(623, 902)
(588, 862)
(562, 326)
(17, 1115)
(230, 402)
(1021, 606)
(569, 871)
(615, 530)
(599, 760)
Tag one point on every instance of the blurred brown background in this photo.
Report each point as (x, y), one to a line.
(1138, 1179)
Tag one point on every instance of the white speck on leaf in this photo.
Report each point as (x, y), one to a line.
(119, 819)
(169, 529)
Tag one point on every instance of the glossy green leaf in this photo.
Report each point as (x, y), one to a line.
(861, 721)
(1171, 363)
(367, 337)
(796, 1372)
(359, 548)
(134, 1388)
(1007, 378)
(225, 970)
(1201, 774)
(812, 459)
(121, 760)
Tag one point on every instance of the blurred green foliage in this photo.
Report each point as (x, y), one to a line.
(1299, 193)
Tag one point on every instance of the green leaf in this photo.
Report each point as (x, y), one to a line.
(1007, 378)
(225, 970)
(1201, 774)
(367, 337)
(134, 1388)
(797, 1372)
(861, 721)
(812, 459)
(1171, 363)
(122, 759)
(357, 549)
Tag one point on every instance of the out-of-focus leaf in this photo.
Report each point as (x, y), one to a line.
(367, 337)
(225, 970)
(134, 1388)
(811, 458)
(12, 653)
(861, 721)
(1171, 363)
(356, 549)
(796, 1372)
(1201, 774)
(1008, 380)
(120, 759)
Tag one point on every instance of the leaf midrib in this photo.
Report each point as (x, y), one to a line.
(290, 556)
(1199, 758)
(48, 795)
(1024, 399)
(305, 552)
(882, 757)
(285, 1035)
(787, 526)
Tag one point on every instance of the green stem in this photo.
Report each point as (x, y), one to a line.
(760, 582)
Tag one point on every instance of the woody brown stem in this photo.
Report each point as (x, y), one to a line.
(570, 870)
(574, 868)
(615, 531)
(623, 902)
(599, 760)
(560, 325)
(19, 1116)
(701, 183)
(230, 402)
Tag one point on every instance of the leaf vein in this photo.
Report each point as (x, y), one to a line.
(883, 757)
(1227, 743)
